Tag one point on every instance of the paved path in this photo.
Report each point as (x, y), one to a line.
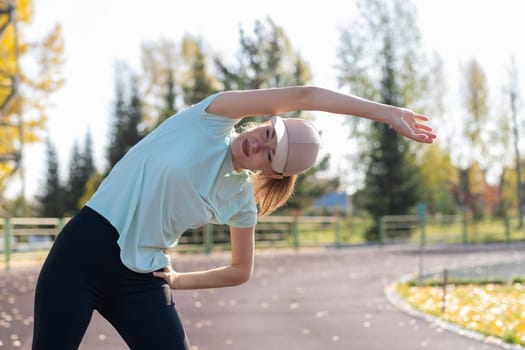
(307, 300)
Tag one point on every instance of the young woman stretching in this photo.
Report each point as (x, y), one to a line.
(113, 257)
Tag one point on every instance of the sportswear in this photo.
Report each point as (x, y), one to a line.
(180, 176)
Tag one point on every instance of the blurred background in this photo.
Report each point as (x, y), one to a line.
(83, 81)
(80, 83)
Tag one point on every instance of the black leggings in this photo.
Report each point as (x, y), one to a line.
(82, 273)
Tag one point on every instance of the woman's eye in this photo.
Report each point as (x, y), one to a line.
(270, 157)
(267, 133)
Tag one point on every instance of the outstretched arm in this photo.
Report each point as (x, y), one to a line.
(240, 104)
(237, 272)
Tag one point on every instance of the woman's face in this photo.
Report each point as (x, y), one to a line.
(254, 149)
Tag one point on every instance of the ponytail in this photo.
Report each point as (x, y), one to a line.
(270, 193)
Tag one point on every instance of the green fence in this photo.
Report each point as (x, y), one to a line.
(271, 232)
(20, 237)
(448, 229)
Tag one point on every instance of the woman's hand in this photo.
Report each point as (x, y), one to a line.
(237, 272)
(408, 124)
(169, 275)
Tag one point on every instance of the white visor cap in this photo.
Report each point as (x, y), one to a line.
(298, 144)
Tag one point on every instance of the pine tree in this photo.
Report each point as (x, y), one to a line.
(134, 116)
(80, 171)
(51, 200)
(267, 59)
(75, 182)
(88, 164)
(378, 61)
(198, 83)
(117, 148)
(127, 118)
(169, 108)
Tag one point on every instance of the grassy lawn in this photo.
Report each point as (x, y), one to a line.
(491, 309)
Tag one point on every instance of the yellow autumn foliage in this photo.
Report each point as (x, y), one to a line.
(491, 309)
(24, 90)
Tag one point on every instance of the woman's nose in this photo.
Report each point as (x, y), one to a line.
(261, 146)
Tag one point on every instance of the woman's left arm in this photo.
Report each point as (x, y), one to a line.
(237, 272)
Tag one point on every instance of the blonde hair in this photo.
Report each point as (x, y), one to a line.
(271, 193)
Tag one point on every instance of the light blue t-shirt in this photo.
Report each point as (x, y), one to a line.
(178, 177)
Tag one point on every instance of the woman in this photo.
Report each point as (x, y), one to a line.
(191, 170)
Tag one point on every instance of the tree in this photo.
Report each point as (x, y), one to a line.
(134, 115)
(88, 162)
(440, 177)
(170, 107)
(198, 83)
(476, 105)
(91, 187)
(475, 132)
(265, 60)
(307, 190)
(379, 59)
(29, 73)
(514, 98)
(51, 200)
(81, 168)
(116, 149)
(75, 184)
(159, 80)
(127, 116)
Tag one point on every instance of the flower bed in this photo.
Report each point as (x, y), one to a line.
(491, 309)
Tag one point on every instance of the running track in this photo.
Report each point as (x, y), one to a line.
(307, 300)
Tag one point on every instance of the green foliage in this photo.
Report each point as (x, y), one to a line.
(91, 186)
(159, 81)
(379, 57)
(51, 200)
(81, 169)
(307, 190)
(127, 116)
(475, 153)
(439, 175)
(199, 83)
(30, 72)
(456, 282)
(57, 200)
(266, 59)
(169, 108)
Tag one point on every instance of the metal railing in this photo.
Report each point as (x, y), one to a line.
(19, 235)
(459, 228)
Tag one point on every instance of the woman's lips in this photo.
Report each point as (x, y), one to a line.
(245, 147)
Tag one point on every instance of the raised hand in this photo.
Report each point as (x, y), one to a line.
(409, 124)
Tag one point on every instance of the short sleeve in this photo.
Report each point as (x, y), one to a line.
(245, 217)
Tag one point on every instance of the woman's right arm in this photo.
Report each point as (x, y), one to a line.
(261, 102)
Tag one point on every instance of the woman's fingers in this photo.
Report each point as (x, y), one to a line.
(165, 274)
(423, 127)
(421, 117)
